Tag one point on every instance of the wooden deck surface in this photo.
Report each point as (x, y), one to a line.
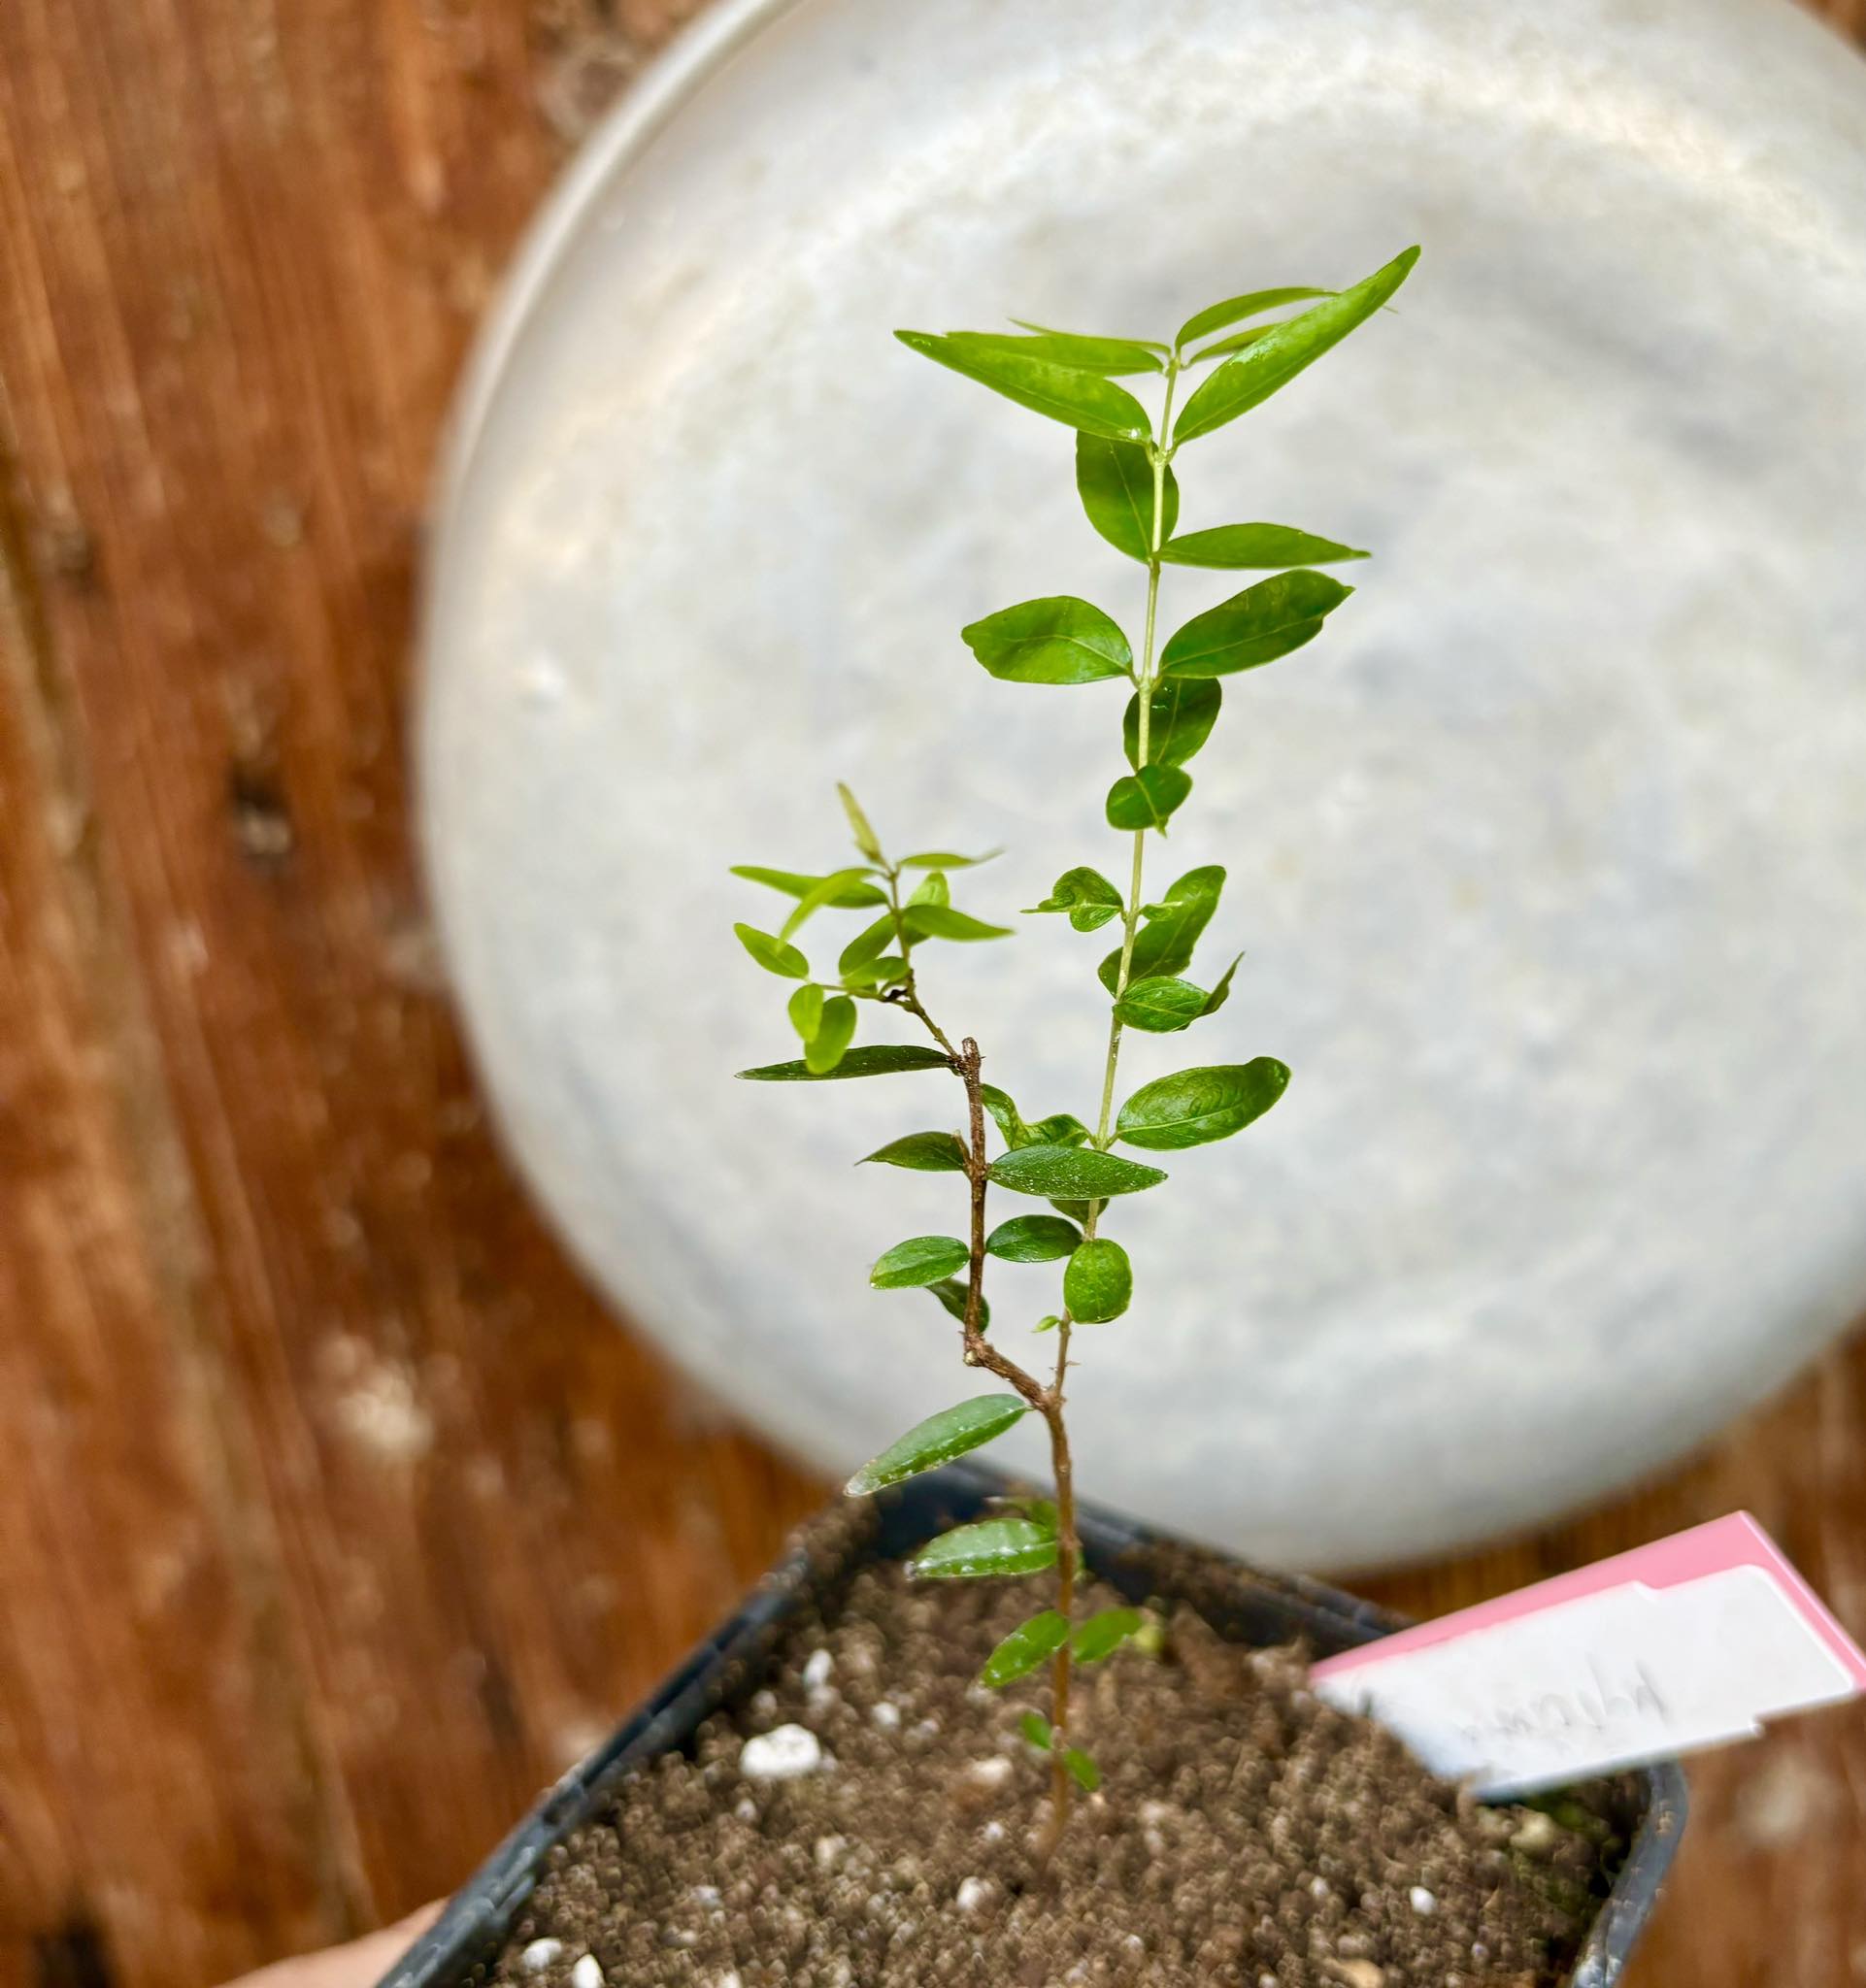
(335, 1516)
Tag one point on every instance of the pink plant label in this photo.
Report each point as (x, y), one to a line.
(1689, 1642)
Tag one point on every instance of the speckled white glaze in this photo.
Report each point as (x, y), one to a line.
(1548, 860)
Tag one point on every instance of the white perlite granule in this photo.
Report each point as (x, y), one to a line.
(780, 1755)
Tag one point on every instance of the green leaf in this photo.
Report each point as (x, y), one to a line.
(1081, 355)
(1071, 1172)
(1147, 344)
(1033, 1239)
(1254, 545)
(1074, 1210)
(835, 1032)
(1105, 1632)
(953, 1296)
(885, 971)
(1098, 1282)
(952, 1432)
(1194, 1106)
(1180, 720)
(945, 859)
(1005, 1115)
(1275, 359)
(1077, 399)
(866, 839)
(1236, 343)
(872, 1059)
(867, 945)
(1161, 1005)
(1255, 627)
(941, 921)
(1116, 483)
(933, 889)
(993, 1546)
(827, 892)
(1031, 1643)
(924, 1152)
(1057, 640)
(1216, 316)
(1171, 929)
(1082, 1770)
(1036, 1730)
(773, 954)
(1047, 1324)
(919, 1260)
(1087, 895)
(795, 884)
(1061, 1128)
(806, 1009)
(1148, 798)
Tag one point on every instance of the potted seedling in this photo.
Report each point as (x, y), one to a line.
(905, 1763)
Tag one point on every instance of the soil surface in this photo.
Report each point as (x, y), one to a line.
(1244, 1833)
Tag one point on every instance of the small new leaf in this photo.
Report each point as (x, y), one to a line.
(1239, 546)
(1031, 1643)
(1061, 1128)
(795, 884)
(952, 1295)
(945, 859)
(1254, 627)
(1056, 640)
(872, 1059)
(1180, 718)
(924, 1152)
(991, 1546)
(865, 838)
(830, 890)
(1148, 799)
(919, 1260)
(1115, 481)
(1033, 1239)
(1195, 1107)
(1036, 1730)
(941, 921)
(1071, 1172)
(1171, 929)
(952, 1432)
(1104, 1634)
(867, 945)
(835, 1031)
(1234, 310)
(1087, 895)
(806, 1012)
(1082, 354)
(1082, 1770)
(1098, 1283)
(1066, 394)
(773, 954)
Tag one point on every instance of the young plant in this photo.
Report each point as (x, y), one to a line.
(1125, 478)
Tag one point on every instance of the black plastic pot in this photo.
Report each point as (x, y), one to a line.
(1648, 1809)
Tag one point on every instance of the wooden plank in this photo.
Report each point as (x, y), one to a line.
(337, 1516)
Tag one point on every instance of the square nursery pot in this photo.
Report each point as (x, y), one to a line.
(1646, 1808)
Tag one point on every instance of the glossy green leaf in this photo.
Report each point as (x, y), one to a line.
(993, 1546)
(1239, 546)
(1147, 344)
(795, 884)
(1033, 1239)
(1170, 929)
(952, 1432)
(829, 891)
(1115, 481)
(1236, 343)
(922, 1152)
(953, 1296)
(1081, 355)
(866, 839)
(942, 921)
(1028, 1645)
(1098, 1282)
(773, 954)
(805, 1010)
(1148, 799)
(1082, 1770)
(1103, 1633)
(836, 1030)
(919, 1260)
(1161, 1005)
(872, 1059)
(1272, 362)
(1233, 309)
(1074, 1210)
(1036, 1730)
(1254, 627)
(1061, 1128)
(1071, 1172)
(1087, 895)
(1181, 714)
(945, 859)
(1005, 1115)
(867, 945)
(1066, 394)
(1056, 640)
(1194, 1106)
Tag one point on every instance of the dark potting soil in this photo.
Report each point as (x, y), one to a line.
(1244, 1833)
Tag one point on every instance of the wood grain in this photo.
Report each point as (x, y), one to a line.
(337, 1516)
